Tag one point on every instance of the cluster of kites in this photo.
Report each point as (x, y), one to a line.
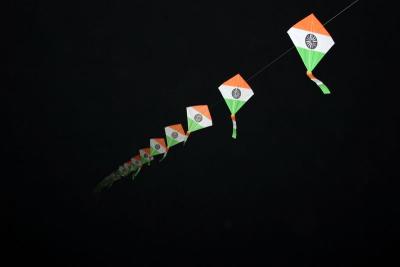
(311, 40)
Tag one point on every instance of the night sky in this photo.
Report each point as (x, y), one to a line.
(312, 180)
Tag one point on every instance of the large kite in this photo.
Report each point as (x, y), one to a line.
(236, 93)
(312, 41)
(198, 117)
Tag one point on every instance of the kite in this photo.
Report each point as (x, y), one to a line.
(122, 171)
(157, 146)
(175, 135)
(145, 155)
(198, 117)
(312, 41)
(137, 162)
(130, 167)
(236, 93)
(126, 169)
(107, 182)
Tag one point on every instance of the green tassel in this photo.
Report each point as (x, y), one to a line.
(165, 154)
(324, 89)
(137, 172)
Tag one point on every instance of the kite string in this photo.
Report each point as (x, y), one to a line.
(287, 51)
(269, 64)
(343, 10)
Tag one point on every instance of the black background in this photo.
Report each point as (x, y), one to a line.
(310, 181)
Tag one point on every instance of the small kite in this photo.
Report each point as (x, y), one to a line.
(137, 162)
(126, 169)
(107, 182)
(312, 41)
(236, 93)
(175, 135)
(122, 170)
(145, 155)
(130, 167)
(198, 117)
(157, 146)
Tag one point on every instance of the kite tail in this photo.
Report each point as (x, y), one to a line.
(187, 137)
(165, 154)
(137, 172)
(234, 134)
(322, 86)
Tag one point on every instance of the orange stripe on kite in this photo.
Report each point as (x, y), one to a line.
(146, 150)
(311, 24)
(178, 128)
(203, 109)
(237, 81)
